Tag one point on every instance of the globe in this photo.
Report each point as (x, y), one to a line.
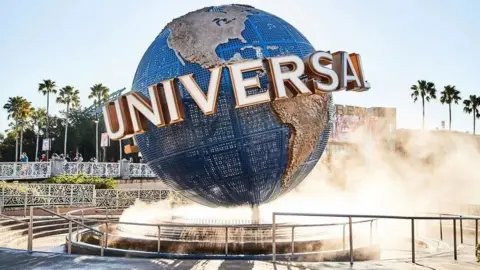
(244, 156)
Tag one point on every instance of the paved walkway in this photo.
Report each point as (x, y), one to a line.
(21, 260)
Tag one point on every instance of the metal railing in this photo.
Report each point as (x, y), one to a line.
(412, 219)
(71, 221)
(227, 229)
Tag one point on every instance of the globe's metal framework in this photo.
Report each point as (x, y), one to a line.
(235, 156)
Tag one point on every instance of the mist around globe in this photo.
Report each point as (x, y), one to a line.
(245, 156)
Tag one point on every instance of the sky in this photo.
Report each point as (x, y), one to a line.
(84, 42)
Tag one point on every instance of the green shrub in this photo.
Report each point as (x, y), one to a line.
(100, 183)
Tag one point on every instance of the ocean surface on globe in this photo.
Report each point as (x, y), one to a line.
(244, 156)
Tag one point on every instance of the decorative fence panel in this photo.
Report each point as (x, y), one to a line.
(120, 198)
(24, 195)
(28, 170)
(14, 195)
(42, 170)
(103, 169)
(141, 170)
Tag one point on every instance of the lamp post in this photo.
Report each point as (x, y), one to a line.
(96, 139)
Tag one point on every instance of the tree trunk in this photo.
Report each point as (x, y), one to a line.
(423, 112)
(21, 139)
(450, 116)
(66, 130)
(48, 124)
(16, 147)
(36, 147)
(473, 121)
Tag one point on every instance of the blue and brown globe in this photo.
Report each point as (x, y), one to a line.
(244, 156)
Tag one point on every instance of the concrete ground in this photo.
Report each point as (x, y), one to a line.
(18, 259)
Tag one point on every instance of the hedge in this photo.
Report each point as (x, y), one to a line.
(100, 183)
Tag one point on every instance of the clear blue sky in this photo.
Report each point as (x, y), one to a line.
(86, 42)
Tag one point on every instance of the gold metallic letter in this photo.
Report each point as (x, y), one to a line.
(117, 119)
(347, 74)
(206, 103)
(278, 79)
(326, 79)
(240, 85)
(141, 110)
(357, 65)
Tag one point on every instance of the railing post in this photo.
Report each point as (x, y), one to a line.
(49, 194)
(461, 229)
(344, 238)
(30, 231)
(25, 204)
(454, 238)
(158, 240)
(226, 240)
(94, 197)
(413, 240)
(116, 203)
(102, 249)
(441, 229)
(350, 228)
(71, 194)
(106, 234)
(293, 240)
(273, 237)
(476, 234)
(70, 237)
(371, 232)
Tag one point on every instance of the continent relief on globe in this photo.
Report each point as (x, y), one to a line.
(196, 35)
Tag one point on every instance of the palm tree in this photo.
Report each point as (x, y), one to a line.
(99, 94)
(70, 97)
(39, 117)
(449, 95)
(426, 91)
(472, 105)
(19, 110)
(47, 87)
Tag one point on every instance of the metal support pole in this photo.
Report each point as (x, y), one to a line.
(274, 227)
(350, 229)
(461, 230)
(25, 204)
(371, 232)
(455, 239)
(106, 234)
(101, 245)
(293, 240)
(344, 238)
(476, 234)
(441, 229)
(30, 231)
(413, 240)
(158, 240)
(226, 240)
(70, 237)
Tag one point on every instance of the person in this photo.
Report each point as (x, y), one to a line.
(44, 158)
(80, 158)
(24, 157)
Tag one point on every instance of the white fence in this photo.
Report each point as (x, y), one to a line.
(30, 170)
(42, 170)
(103, 169)
(23, 195)
(140, 170)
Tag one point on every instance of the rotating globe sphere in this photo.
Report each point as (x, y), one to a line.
(236, 156)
